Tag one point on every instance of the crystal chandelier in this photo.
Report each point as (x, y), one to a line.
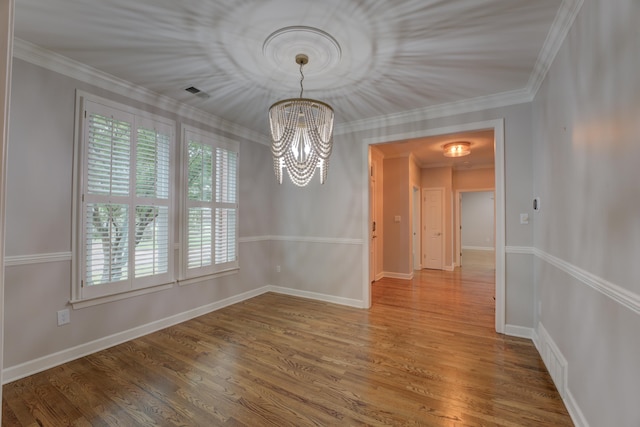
(301, 135)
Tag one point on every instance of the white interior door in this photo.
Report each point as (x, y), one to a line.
(432, 218)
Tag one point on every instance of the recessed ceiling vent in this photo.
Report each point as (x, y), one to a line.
(197, 92)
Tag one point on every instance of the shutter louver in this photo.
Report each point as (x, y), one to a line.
(106, 243)
(152, 240)
(199, 245)
(225, 249)
(200, 174)
(226, 175)
(152, 164)
(109, 156)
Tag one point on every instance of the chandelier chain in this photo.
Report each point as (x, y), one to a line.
(301, 79)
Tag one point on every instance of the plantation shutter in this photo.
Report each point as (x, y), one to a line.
(108, 134)
(211, 204)
(126, 196)
(226, 206)
(109, 154)
(199, 191)
(152, 199)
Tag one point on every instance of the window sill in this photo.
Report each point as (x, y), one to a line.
(83, 303)
(200, 279)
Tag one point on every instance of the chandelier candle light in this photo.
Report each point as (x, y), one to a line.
(301, 135)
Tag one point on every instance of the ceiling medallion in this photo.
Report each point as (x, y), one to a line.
(282, 45)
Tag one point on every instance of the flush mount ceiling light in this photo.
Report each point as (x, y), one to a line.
(457, 149)
(302, 128)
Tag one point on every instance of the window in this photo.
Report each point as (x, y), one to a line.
(125, 192)
(211, 207)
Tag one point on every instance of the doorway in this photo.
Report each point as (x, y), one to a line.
(433, 231)
(415, 231)
(497, 128)
(475, 223)
(373, 221)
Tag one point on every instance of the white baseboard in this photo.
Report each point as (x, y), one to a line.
(316, 296)
(379, 276)
(31, 367)
(392, 275)
(574, 410)
(553, 359)
(536, 340)
(49, 361)
(518, 331)
(558, 368)
(479, 248)
(449, 267)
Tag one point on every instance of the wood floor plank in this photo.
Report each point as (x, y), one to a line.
(425, 354)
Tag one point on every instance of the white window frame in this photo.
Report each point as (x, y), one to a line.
(192, 275)
(81, 294)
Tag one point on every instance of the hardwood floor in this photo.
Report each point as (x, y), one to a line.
(478, 259)
(425, 354)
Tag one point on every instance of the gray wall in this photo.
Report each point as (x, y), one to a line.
(38, 218)
(318, 237)
(519, 178)
(587, 287)
(315, 234)
(397, 243)
(476, 217)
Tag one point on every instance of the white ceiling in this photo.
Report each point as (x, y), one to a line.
(428, 151)
(397, 56)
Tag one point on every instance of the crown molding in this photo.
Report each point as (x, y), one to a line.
(503, 99)
(560, 27)
(52, 61)
(555, 37)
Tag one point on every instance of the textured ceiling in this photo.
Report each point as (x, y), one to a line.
(396, 56)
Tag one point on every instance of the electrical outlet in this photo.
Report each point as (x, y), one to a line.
(63, 317)
(277, 269)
